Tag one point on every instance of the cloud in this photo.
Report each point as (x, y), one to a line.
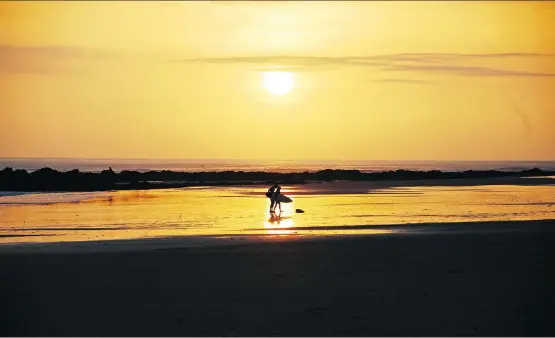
(65, 60)
(45, 59)
(467, 70)
(411, 81)
(287, 61)
(431, 63)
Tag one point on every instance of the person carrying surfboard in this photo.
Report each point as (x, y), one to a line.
(271, 195)
(275, 199)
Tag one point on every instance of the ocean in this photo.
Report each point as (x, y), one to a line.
(339, 208)
(331, 209)
(198, 165)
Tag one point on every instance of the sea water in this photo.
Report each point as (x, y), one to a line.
(330, 209)
(97, 165)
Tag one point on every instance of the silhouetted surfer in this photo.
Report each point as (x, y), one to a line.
(276, 199)
(272, 195)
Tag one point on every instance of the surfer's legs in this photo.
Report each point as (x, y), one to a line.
(272, 205)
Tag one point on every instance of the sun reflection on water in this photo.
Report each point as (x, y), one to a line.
(243, 210)
(279, 225)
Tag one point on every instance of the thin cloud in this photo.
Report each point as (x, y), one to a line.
(457, 64)
(58, 60)
(410, 81)
(298, 61)
(467, 70)
(45, 59)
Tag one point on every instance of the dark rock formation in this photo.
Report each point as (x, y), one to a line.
(47, 179)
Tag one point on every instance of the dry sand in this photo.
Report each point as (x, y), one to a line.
(499, 281)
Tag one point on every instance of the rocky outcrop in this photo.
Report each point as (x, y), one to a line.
(47, 179)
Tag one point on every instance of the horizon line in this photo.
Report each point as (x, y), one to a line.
(259, 160)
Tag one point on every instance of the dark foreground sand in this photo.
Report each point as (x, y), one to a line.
(447, 283)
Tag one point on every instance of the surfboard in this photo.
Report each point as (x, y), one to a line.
(281, 198)
(284, 199)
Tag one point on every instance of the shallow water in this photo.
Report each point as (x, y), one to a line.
(244, 211)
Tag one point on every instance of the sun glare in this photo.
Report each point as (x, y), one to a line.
(278, 83)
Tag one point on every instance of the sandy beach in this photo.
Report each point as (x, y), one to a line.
(495, 282)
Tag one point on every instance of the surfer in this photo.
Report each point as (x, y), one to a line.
(275, 199)
(270, 195)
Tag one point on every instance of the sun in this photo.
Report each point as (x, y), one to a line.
(278, 83)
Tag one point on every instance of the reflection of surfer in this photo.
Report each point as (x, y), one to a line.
(275, 218)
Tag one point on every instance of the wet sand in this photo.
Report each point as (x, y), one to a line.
(445, 282)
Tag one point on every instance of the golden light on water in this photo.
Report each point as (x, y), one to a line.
(277, 225)
(281, 222)
(237, 211)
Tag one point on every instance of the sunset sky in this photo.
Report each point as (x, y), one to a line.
(366, 80)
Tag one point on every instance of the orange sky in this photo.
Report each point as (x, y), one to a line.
(371, 80)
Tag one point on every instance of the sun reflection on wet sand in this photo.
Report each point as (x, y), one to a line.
(243, 210)
(279, 225)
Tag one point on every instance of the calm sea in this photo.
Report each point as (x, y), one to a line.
(96, 165)
(330, 209)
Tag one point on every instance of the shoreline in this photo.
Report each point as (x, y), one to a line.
(241, 239)
(317, 187)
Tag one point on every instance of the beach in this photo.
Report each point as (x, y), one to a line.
(495, 282)
(438, 258)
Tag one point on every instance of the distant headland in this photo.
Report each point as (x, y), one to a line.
(47, 179)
